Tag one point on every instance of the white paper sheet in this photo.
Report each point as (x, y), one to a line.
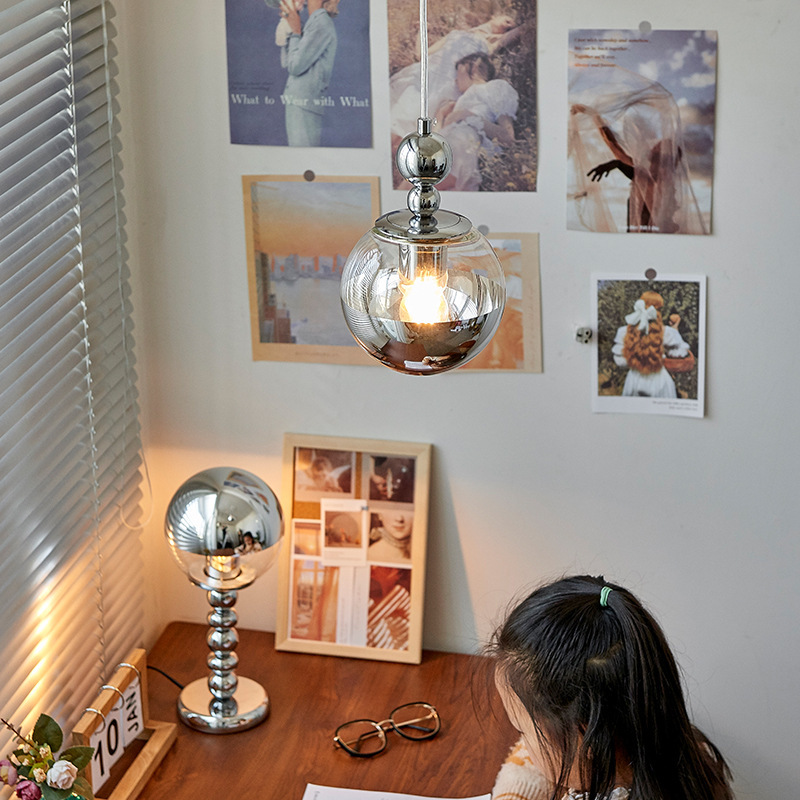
(314, 792)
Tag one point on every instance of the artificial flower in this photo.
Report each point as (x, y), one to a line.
(62, 775)
(38, 773)
(28, 790)
(8, 772)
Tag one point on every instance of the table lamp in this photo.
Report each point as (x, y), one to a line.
(224, 528)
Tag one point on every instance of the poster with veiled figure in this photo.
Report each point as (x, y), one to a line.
(351, 581)
(641, 130)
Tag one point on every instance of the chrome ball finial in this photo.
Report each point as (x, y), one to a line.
(423, 158)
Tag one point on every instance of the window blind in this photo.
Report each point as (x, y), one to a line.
(70, 569)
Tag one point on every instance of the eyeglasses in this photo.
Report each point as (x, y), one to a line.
(365, 737)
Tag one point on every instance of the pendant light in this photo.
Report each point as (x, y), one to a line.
(423, 291)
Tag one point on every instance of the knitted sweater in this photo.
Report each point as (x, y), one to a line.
(520, 779)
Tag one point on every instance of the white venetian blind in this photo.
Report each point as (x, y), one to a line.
(70, 574)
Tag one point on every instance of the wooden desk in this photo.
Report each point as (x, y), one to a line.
(310, 696)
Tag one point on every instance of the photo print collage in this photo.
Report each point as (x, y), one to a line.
(352, 575)
(640, 121)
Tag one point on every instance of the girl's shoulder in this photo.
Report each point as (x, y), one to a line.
(519, 778)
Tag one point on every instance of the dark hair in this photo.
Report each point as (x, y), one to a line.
(478, 63)
(596, 678)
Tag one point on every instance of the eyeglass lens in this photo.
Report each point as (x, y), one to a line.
(415, 721)
(361, 737)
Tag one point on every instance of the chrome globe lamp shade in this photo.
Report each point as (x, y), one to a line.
(423, 291)
(224, 527)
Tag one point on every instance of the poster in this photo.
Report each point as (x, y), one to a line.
(481, 88)
(298, 235)
(641, 131)
(650, 351)
(517, 342)
(261, 90)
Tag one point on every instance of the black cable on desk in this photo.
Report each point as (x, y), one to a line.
(168, 677)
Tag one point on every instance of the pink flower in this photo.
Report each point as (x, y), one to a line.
(28, 790)
(62, 775)
(8, 772)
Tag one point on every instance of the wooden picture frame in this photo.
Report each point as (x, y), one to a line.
(352, 568)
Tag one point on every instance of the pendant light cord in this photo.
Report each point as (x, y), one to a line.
(423, 58)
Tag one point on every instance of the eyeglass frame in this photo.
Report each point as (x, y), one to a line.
(381, 729)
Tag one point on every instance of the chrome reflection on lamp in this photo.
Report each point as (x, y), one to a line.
(224, 528)
(423, 291)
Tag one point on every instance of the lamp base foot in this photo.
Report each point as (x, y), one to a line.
(194, 707)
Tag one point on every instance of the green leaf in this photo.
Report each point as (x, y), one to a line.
(79, 755)
(82, 788)
(50, 793)
(48, 731)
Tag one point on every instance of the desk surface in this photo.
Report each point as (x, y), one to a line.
(310, 696)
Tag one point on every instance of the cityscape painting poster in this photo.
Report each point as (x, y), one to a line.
(311, 89)
(298, 235)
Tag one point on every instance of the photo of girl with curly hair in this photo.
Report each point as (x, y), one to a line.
(641, 345)
(651, 362)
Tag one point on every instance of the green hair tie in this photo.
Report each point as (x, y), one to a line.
(604, 593)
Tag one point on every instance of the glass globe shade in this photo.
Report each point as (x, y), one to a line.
(223, 526)
(423, 302)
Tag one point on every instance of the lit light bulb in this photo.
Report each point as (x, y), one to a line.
(423, 300)
(422, 283)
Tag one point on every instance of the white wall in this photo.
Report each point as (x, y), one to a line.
(697, 516)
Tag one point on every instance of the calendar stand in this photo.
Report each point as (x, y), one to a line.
(158, 736)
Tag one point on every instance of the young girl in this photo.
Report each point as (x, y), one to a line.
(641, 346)
(479, 122)
(587, 677)
(442, 57)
